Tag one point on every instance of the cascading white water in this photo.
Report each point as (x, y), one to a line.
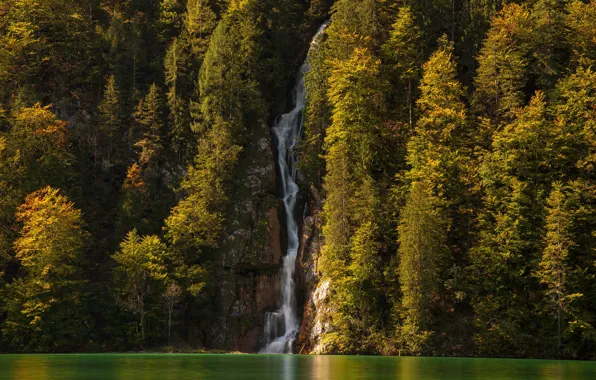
(281, 326)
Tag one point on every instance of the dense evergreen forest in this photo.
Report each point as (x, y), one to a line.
(452, 144)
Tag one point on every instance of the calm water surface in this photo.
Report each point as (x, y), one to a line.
(283, 367)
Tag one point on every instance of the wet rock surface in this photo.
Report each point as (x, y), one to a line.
(314, 293)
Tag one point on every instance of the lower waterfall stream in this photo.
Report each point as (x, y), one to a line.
(282, 325)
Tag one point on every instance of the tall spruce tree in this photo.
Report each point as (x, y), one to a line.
(502, 63)
(553, 269)
(422, 252)
(403, 53)
(516, 178)
(110, 124)
(349, 210)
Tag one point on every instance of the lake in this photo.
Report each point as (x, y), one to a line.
(283, 367)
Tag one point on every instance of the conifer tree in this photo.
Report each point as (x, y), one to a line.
(576, 122)
(404, 55)
(178, 75)
(422, 252)
(354, 25)
(199, 23)
(149, 118)
(197, 220)
(546, 43)
(227, 81)
(437, 151)
(170, 18)
(349, 210)
(581, 29)
(516, 177)
(502, 63)
(553, 269)
(110, 125)
(135, 202)
(115, 38)
(316, 112)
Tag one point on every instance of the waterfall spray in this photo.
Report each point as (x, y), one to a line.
(282, 325)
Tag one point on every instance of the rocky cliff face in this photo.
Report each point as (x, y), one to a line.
(314, 293)
(250, 255)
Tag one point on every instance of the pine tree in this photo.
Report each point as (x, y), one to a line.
(199, 23)
(227, 81)
(581, 25)
(177, 76)
(197, 220)
(403, 54)
(422, 252)
(354, 25)
(576, 123)
(553, 269)
(170, 18)
(149, 118)
(580, 213)
(316, 112)
(547, 49)
(442, 112)
(436, 152)
(502, 63)
(516, 176)
(349, 210)
(39, 40)
(439, 156)
(110, 125)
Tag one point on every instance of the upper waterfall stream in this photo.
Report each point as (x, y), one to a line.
(282, 325)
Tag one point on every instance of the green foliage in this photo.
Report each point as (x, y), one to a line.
(354, 25)
(515, 181)
(111, 122)
(316, 113)
(403, 54)
(50, 45)
(553, 270)
(422, 252)
(34, 153)
(227, 81)
(170, 18)
(581, 31)
(140, 277)
(199, 22)
(43, 308)
(576, 121)
(150, 121)
(548, 51)
(177, 75)
(135, 202)
(432, 151)
(198, 219)
(502, 63)
(350, 209)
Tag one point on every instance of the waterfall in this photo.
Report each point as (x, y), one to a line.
(282, 325)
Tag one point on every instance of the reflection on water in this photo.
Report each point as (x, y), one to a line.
(283, 367)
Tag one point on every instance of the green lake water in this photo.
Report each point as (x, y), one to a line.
(283, 367)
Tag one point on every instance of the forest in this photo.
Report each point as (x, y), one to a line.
(450, 144)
